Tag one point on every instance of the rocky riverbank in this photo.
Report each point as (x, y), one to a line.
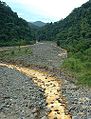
(55, 104)
(31, 103)
(20, 98)
(44, 54)
(78, 99)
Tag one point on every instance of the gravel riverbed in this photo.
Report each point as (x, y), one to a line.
(78, 99)
(44, 54)
(20, 98)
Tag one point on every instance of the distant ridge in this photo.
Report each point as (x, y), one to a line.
(39, 23)
(31, 25)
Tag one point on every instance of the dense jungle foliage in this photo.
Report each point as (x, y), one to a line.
(13, 30)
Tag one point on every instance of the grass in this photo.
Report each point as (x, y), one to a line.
(84, 79)
(80, 67)
(15, 52)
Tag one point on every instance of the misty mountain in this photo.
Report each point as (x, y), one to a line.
(39, 23)
(31, 25)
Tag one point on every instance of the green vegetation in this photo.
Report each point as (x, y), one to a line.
(79, 64)
(14, 30)
(15, 52)
(39, 23)
(79, 68)
(17, 42)
(73, 34)
(58, 43)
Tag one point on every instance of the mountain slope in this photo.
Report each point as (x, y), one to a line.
(32, 25)
(39, 23)
(12, 28)
(76, 26)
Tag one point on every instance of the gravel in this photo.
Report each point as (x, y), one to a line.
(44, 54)
(20, 98)
(78, 99)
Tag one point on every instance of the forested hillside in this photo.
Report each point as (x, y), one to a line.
(39, 23)
(13, 30)
(74, 34)
(70, 31)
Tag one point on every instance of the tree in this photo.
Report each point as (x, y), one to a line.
(58, 43)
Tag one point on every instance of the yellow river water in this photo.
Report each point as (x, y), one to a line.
(52, 92)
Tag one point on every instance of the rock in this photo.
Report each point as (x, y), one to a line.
(34, 110)
(32, 116)
(35, 114)
(48, 110)
(19, 98)
(44, 117)
(55, 118)
(74, 117)
(77, 99)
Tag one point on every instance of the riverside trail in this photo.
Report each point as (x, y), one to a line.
(51, 87)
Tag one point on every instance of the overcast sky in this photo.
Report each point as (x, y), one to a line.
(43, 10)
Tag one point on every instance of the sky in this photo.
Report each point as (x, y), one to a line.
(43, 10)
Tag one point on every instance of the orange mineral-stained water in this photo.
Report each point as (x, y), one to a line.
(52, 91)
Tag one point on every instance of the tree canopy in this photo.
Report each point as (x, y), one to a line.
(13, 30)
(73, 30)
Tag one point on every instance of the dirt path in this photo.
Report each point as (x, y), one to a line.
(51, 87)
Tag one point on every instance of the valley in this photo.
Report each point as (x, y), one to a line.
(54, 94)
(45, 68)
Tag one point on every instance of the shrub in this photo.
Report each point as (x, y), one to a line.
(73, 64)
(12, 52)
(85, 79)
(58, 43)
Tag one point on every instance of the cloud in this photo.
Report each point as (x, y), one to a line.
(54, 9)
